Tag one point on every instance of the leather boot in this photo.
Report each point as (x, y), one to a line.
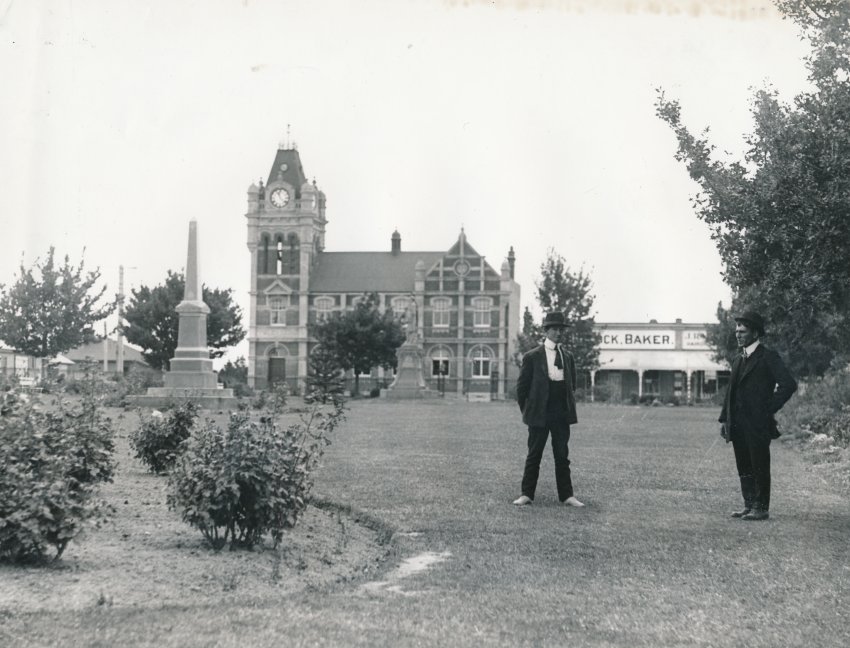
(756, 514)
(748, 490)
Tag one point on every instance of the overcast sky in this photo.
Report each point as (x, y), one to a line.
(530, 124)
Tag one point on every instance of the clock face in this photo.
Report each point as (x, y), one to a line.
(280, 197)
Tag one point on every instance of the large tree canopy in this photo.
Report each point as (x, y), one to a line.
(781, 216)
(152, 322)
(51, 309)
(361, 338)
(561, 289)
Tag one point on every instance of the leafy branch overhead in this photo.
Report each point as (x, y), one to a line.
(780, 217)
(152, 322)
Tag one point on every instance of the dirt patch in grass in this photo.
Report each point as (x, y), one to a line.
(147, 557)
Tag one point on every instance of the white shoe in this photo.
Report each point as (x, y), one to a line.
(572, 501)
(522, 500)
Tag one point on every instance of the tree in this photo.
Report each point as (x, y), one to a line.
(779, 217)
(324, 377)
(51, 309)
(234, 372)
(560, 289)
(152, 322)
(361, 338)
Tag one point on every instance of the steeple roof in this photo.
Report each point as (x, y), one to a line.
(287, 167)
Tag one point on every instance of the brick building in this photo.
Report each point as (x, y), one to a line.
(468, 313)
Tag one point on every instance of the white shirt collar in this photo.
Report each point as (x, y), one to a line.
(750, 349)
(549, 344)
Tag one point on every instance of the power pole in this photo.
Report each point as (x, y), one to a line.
(105, 350)
(119, 364)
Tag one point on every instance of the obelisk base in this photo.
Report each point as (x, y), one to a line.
(160, 397)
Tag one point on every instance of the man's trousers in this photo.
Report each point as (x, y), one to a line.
(752, 457)
(537, 437)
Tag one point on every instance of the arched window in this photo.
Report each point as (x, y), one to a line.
(279, 250)
(440, 310)
(294, 256)
(440, 362)
(481, 358)
(481, 312)
(263, 259)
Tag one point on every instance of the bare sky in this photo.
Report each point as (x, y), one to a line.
(530, 124)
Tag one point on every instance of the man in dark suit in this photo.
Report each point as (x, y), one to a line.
(545, 396)
(759, 386)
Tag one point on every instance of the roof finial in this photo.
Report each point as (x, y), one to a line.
(287, 136)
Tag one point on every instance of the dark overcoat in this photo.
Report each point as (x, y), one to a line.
(532, 388)
(759, 387)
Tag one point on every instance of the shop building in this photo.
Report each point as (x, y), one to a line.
(650, 360)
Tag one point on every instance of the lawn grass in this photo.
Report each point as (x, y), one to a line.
(654, 559)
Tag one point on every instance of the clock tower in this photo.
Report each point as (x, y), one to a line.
(286, 233)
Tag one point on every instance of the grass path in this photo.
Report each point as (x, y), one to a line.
(654, 559)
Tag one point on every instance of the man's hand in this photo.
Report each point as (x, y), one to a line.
(724, 431)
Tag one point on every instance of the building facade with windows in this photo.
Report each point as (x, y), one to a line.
(658, 360)
(467, 313)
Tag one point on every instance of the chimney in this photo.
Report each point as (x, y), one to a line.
(395, 242)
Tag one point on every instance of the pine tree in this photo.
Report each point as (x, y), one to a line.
(324, 377)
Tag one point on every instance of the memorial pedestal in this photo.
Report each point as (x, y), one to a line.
(409, 380)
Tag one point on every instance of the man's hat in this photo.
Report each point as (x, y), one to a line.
(554, 319)
(752, 319)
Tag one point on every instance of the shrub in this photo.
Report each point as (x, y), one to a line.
(50, 465)
(602, 393)
(135, 381)
(251, 478)
(273, 399)
(242, 390)
(820, 407)
(159, 440)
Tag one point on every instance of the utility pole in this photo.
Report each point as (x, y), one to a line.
(105, 349)
(119, 363)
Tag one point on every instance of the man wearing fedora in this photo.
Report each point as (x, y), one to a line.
(545, 396)
(759, 386)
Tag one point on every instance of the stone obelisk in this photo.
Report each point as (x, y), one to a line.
(191, 375)
(191, 367)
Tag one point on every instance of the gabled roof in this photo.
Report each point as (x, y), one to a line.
(94, 351)
(368, 271)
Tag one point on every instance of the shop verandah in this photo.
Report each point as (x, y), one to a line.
(665, 385)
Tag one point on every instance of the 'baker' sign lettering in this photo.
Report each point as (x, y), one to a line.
(636, 339)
